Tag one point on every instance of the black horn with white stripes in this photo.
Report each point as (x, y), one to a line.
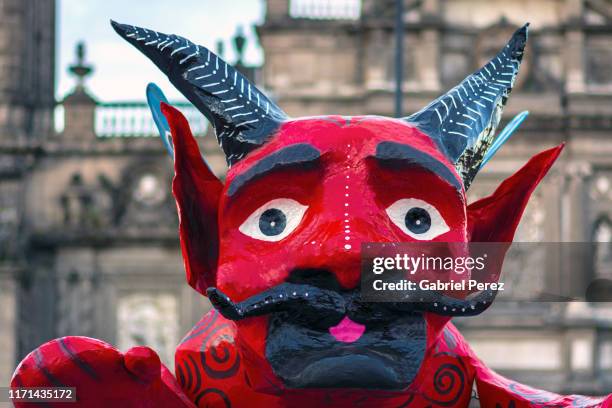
(463, 121)
(243, 117)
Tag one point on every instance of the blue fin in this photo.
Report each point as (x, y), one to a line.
(155, 97)
(504, 136)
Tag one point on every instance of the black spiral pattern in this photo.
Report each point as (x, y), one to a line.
(209, 395)
(218, 357)
(180, 376)
(213, 356)
(407, 403)
(449, 381)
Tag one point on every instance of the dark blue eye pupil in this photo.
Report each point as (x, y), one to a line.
(418, 220)
(272, 222)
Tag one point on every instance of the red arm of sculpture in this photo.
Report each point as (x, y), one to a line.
(497, 391)
(101, 374)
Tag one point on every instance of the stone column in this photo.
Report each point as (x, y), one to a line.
(376, 60)
(580, 354)
(79, 106)
(428, 67)
(574, 47)
(27, 52)
(574, 229)
(7, 324)
(79, 116)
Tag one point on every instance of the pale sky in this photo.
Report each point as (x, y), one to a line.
(121, 71)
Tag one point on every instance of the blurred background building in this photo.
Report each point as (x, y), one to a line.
(88, 231)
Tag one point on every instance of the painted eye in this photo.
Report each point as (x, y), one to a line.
(417, 218)
(274, 220)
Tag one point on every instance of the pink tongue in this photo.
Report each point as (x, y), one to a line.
(347, 331)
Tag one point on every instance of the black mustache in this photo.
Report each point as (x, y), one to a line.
(436, 302)
(308, 299)
(285, 297)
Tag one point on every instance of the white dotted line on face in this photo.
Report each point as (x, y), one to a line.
(347, 225)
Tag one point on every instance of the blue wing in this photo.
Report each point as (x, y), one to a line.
(504, 136)
(155, 97)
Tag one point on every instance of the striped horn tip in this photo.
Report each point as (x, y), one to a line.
(463, 121)
(242, 116)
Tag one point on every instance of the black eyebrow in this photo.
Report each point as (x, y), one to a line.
(295, 155)
(398, 154)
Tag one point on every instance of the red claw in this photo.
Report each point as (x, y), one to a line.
(143, 362)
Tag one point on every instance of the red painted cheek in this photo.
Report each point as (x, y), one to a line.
(248, 267)
(252, 344)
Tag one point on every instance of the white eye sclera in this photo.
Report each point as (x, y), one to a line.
(417, 218)
(274, 220)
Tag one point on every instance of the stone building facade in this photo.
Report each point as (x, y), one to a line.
(88, 240)
(26, 104)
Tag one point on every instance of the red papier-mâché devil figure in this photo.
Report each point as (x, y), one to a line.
(276, 248)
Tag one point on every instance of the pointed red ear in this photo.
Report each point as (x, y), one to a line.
(495, 218)
(197, 192)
